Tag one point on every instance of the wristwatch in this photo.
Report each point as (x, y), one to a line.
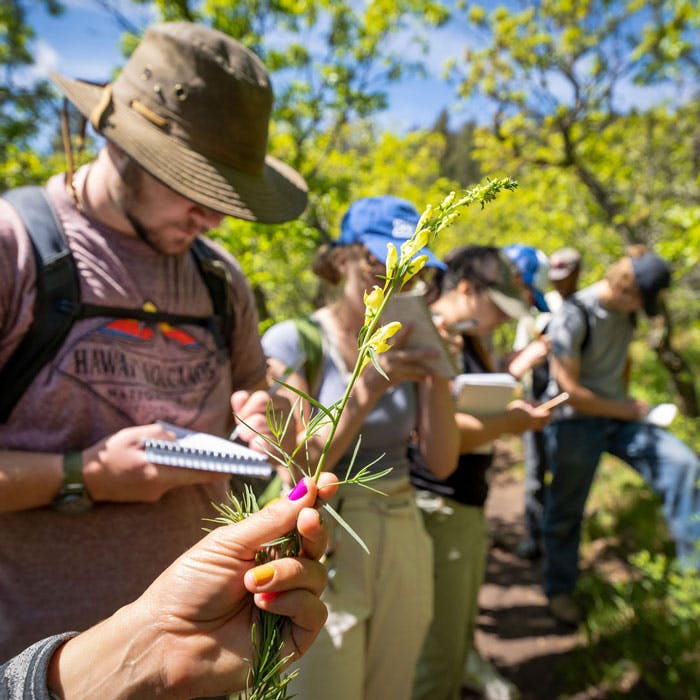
(73, 497)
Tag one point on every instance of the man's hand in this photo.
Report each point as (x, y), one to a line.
(250, 411)
(189, 634)
(115, 468)
(634, 410)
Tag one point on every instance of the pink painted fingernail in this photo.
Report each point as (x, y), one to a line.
(299, 491)
(269, 597)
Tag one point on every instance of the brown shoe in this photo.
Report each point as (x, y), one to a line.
(565, 609)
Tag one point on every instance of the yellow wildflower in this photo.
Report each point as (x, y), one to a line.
(373, 300)
(415, 266)
(379, 340)
(392, 260)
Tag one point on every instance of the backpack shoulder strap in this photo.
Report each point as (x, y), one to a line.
(575, 301)
(218, 282)
(57, 295)
(311, 343)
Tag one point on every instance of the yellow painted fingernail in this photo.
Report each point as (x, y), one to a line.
(263, 574)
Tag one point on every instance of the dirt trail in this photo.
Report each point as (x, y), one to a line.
(515, 630)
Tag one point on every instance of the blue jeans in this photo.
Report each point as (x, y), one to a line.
(574, 448)
(535, 473)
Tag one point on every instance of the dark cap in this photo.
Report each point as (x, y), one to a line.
(563, 262)
(651, 275)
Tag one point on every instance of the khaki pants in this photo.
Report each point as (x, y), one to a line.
(459, 535)
(379, 604)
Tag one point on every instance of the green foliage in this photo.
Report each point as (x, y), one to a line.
(555, 74)
(23, 106)
(652, 383)
(278, 259)
(643, 628)
(331, 61)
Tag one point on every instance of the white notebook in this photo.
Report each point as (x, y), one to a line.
(662, 415)
(484, 394)
(195, 450)
(412, 309)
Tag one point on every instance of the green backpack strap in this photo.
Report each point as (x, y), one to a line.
(311, 344)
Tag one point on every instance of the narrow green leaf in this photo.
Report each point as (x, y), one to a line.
(345, 526)
(375, 361)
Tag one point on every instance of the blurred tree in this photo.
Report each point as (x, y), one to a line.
(362, 163)
(24, 103)
(331, 62)
(457, 161)
(558, 74)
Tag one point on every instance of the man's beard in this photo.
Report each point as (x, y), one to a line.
(132, 175)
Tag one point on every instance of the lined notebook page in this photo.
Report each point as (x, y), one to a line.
(196, 450)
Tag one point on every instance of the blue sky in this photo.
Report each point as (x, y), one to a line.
(83, 42)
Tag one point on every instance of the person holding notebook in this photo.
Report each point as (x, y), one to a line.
(479, 284)
(590, 360)
(379, 604)
(185, 126)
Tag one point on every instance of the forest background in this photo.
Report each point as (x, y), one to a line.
(544, 90)
(547, 84)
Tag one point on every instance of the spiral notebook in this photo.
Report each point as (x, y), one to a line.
(195, 450)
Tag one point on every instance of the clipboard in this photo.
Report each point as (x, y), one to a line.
(412, 309)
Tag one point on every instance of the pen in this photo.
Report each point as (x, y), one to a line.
(289, 370)
(559, 398)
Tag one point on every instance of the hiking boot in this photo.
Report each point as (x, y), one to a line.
(481, 677)
(528, 548)
(565, 609)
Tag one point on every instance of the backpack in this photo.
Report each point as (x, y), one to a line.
(540, 373)
(58, 304)
(311, 343)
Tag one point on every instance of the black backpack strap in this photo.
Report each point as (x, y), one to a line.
(57, 295)
(575, 301)
(58, 304)
(218, 282)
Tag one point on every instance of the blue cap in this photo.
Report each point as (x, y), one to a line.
(533, 267)
(376, 221)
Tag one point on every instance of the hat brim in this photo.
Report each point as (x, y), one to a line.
(540, 301)
(377, 245)
(278, 194)
(511, 307)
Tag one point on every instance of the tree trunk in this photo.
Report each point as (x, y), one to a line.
(681, 375)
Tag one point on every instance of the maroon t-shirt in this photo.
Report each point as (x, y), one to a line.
(65, 572)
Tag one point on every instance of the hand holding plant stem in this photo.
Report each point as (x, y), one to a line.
(266, 682)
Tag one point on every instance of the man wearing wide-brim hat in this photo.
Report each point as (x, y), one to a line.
(186, 128)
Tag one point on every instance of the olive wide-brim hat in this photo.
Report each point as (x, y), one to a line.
(192, 106)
